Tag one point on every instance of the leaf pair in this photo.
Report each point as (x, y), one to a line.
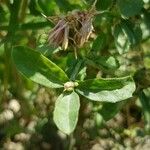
(41, 70)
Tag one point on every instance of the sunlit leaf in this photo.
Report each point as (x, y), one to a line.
(99, 42)
(66, 112)
(130, 8)
(126, 36)
(38, 68)
(107, 90)
(107, 63)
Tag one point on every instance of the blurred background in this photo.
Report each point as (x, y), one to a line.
(119, 46)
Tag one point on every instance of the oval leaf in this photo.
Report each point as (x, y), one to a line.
(38, 68)
(132, 32)
(66, 112)
(107, 63)
(103, 5)
(130, 8)
(126, 35)
(121, 40)
(99, 43)
(107, 90)
(109, 110)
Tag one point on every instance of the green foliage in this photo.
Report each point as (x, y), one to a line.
(66, 111)
(102, 75)
(104, 62)
(99, 42)
(107, 90)
(144, 99)
(130, 8)
(38, 68)
(41, 70)
(126, 35)
(109, 110)
(103, 5)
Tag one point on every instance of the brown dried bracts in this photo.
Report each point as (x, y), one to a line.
(75, 28)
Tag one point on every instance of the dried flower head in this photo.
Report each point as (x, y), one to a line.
(73, 29)
(86, 29)
(59, 34)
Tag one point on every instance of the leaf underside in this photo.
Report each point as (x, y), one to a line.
(66, 111)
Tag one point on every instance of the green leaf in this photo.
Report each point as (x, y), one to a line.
(104, 21)
(145, 24)
(66, 112)
(109, 110)
(34, 10)
(76, 68)
(126, 35)
(65, 5)
(121, 41)
(107, 90)
(130, 8)
(107, 63)
(99, 43)
(132, 32)
(38, 68)
(103, 4)
(48, 7)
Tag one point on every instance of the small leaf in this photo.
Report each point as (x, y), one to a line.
(107, 63)
(66, 112)
(132, 31)
(99, 43)
(126, 35)
(107, 90)
(104, 20)
(38, 68)
(103, 5)
(76, 68)
(121, 41)
(34, 10)
(65, 5)
(145, 24)
(48, 7)
(109, 110)
(130, 8)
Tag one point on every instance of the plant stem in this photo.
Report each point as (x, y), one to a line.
(13, 23)
(146, 111)
(71, 142)
(22, 14)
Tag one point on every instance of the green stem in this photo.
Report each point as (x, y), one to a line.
(23, 8)
(146, 110)
(13, 23)
(71, 142)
